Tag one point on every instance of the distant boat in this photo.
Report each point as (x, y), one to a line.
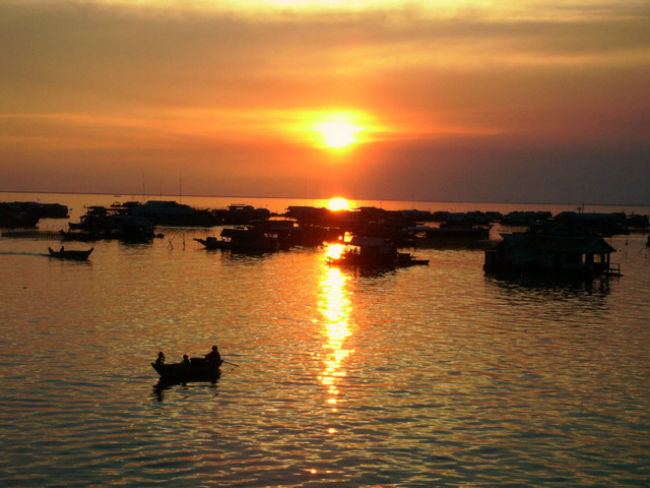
(251, 239)
(199, 369)
(212, 243)
(68, 254)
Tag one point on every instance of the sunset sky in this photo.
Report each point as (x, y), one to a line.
(520, 100)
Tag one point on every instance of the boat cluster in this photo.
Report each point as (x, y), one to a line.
(136, 222)
(369, 236)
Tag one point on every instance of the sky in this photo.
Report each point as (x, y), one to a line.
(532, 101)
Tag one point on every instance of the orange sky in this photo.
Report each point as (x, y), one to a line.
(542, 101)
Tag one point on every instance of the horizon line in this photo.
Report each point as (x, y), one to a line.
(492, 202)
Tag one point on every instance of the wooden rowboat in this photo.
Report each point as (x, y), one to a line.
(199, 369)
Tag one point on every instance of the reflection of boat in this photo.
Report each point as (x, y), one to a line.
(199, 369)
(68, 254)
(373, 252)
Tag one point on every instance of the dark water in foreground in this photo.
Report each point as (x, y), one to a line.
(426, 376)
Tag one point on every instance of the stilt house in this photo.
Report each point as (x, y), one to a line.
(533, 252)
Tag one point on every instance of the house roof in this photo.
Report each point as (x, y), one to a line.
(559, 243)
(596, 245)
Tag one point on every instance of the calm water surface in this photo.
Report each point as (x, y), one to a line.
(424, 376)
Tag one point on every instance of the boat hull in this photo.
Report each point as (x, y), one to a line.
(76, 255)
(212, 243)
(180, 373)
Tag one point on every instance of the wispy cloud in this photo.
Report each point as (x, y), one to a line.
(198, 75)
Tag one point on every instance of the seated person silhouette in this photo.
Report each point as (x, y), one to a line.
(213, 356)
(160, 359)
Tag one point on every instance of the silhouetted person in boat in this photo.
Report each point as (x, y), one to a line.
(213, 356)
(186, 360)
(160, 359)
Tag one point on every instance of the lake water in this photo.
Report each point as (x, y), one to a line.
(426, 376)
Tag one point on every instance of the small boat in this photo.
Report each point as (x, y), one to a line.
(212, 243)
(373, 252)
(67, 254)
(198, 369)
(253, 239)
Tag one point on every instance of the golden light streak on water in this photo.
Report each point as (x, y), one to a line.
(464, 373)
(335, 249)
(335, 307)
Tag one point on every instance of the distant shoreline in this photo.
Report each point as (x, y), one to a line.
(451, 202)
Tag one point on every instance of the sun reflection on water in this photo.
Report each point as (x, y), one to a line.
(335, 307)
(334, 251)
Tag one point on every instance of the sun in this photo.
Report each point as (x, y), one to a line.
(336, 130)
(337, 134)
(337, 203)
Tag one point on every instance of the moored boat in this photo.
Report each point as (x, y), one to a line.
(212, 243)
(70, 254)
(253, 239)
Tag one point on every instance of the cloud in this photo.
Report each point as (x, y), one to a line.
(211, 81)
(124, 50)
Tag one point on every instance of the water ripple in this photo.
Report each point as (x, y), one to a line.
(422, 377)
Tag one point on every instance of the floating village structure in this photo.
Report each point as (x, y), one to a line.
(532, 252)
(27, 214)
(568, 243)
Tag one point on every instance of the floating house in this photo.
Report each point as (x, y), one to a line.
(560, 254)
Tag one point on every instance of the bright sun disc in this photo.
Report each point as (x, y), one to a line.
(337, 133)
(338, 203)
